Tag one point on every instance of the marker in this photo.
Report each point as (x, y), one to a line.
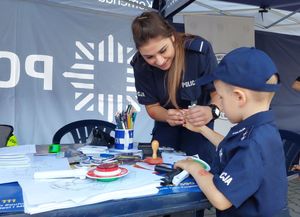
(107, 155)
(54, 148)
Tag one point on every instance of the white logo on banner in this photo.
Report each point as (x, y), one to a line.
(30, 63)
(83, 77)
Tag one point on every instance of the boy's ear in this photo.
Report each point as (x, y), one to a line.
(240, 96)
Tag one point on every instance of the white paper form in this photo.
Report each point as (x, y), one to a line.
(172, 157)
(17, 150)
(38, 163)
(64, 193)
(136, 192)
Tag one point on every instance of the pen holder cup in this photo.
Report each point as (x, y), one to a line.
(124, 139)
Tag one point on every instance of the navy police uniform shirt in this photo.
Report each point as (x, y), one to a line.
(151, 82)
(250, 168)
(151, 87)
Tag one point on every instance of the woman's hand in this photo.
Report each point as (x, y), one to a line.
(296, 167)
(175, 117)
(198, 116)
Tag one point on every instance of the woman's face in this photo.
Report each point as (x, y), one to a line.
(159, 52)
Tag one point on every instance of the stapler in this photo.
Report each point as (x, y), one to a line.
(167, 180)
(177, 179)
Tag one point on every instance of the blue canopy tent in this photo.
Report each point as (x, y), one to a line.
(291, 5)
(277, 25)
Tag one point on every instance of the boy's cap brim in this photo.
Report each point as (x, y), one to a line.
(244, 67)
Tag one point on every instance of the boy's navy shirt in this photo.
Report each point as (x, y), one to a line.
(249, 168)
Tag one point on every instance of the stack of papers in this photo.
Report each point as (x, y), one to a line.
(71, 192)
(14, 160)
(16, 156)
(65, 193)
(91, 150)
(38, 163)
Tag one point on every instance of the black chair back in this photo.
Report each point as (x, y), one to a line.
(80, 130)
(5, 132)
(291, 145)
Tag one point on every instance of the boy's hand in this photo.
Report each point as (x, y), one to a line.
(198, 115)
(188, 165)
(183, 164)
(191, 127)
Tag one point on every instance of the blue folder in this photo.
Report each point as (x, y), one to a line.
(188, 185)
(11, 198)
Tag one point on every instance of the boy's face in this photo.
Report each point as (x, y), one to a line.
(229, 101)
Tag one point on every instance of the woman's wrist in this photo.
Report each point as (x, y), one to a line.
(215, 111)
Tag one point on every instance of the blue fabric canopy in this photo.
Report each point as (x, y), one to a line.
(291, 5)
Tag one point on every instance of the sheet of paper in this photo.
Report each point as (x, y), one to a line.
(20, 149)
(137, 192)
(9, 161)
(172, 157)
(63, 193)
(38, 163)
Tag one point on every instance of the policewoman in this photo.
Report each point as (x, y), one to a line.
(166, 68)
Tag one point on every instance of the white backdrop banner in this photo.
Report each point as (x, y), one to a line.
(62, 63)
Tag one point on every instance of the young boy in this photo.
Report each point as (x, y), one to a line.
(248, 176)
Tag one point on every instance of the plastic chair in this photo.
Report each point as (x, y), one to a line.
(291, 145)
(80, 130)
(5, 132)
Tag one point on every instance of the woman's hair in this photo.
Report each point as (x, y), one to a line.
(150, 25)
